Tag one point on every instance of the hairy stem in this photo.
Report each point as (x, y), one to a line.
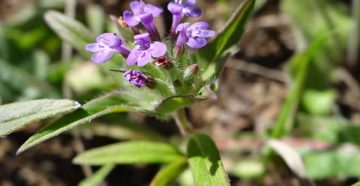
(182, 122)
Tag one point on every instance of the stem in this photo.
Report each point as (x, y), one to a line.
(182, 122)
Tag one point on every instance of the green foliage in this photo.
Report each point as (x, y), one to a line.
(168, 173)
(98, 177)
(319, 102)
(249, 169)
(212, 57)
(205, 162)
(122, 130)
(301, 63)
(134, 152)
(13, 78)
(89, 111)
(174, 103)
(230, 34)
(339, 163)
(16, 115)
(95, 17)
(70, 30)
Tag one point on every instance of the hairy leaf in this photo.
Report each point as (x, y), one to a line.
(177, 102)
(205, 162)
(129, 153)
(16, 115)
(110, 103)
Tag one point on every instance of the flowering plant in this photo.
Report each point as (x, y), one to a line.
(160, 76)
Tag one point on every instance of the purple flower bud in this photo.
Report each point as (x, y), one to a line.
(193, 36)
(106, 44)
(145, 50)
(136, 78)
(191, 71)
(181, 9)
(143, 13)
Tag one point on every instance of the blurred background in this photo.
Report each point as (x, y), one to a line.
(297, 65)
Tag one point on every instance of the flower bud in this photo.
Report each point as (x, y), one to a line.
(163, 62)
(122, 22)
(191, 71)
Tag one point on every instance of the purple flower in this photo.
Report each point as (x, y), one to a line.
(193, 36)
(180, 9)
(136, 78)
(143, 13)
(106, 44)
(144, 50)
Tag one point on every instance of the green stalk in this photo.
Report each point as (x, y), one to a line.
(182, 122)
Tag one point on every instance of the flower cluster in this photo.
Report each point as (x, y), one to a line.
(148, 47)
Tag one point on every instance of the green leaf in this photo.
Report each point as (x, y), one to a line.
(16, 78)
(205, 162)
(319, 102)
(169, 173)
(172, 104)
(107, 104)
(356, 184)
(16, 115)
(95, 18)
(129, 153)
(98, 177)
(230, 34)
(72, 31)
(338, 163)
(249, 169)
(122, 130)
(4, 50)
(301, 63)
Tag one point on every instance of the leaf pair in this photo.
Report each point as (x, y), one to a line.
(202, 154)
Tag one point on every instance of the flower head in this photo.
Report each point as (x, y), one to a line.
(106, 44)
(136, 78)
(143, 13)
(193, 35)
(179, 9)
(145, 49)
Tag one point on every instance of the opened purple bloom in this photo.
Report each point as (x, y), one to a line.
(145, 50)
(143, 13)
(136, 78)
(193, 36)
(179, 9)
(106, 44)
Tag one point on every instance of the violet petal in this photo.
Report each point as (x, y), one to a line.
(130, 18)
(102, 57)
(158, 49)
(196, 42)
(154, 10)
(132, 58)
(144, 58)
(92, 47)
